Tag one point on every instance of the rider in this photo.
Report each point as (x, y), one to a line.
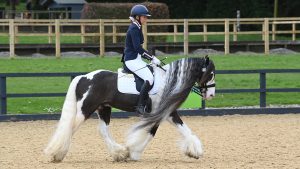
(134, 52)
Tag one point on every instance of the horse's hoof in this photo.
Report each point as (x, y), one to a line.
(192, 147)
(120, 154)
(56, 159)
(192, 155)
(121, 157)
(135, 156)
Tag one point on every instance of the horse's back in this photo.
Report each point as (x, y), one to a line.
(99, 81)
(96, 73)
(100, 88)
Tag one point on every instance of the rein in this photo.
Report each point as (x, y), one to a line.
(150, 65)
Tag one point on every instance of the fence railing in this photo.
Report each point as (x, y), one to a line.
(177, 28)
(263, 90)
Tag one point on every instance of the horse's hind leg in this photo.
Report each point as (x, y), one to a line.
(78, 120)
(138, 139)
(117, 151)
(190, 145)
(84, 108)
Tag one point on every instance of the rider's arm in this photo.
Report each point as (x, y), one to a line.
(136, 41)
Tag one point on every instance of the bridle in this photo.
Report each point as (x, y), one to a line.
(202, 88)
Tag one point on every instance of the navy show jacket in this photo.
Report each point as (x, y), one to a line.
(133, 43)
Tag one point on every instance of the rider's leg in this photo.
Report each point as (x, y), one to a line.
(143, 98)
(139, 67)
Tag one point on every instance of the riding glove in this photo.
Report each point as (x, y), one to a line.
(155, 60)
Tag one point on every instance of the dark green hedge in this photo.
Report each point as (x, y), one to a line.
(122, 11)
(224, 8)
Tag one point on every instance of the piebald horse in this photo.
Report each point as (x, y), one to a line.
(98, 92)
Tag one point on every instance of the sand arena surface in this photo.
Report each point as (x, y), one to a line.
(257, 141)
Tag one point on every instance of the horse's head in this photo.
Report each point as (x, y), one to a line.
(207, 80)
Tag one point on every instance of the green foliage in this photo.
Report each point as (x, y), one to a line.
(19, 6)
(122, 11)
(224, 8)
(214, 8)
(2, 4)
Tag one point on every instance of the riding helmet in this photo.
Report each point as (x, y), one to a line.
(139, 10)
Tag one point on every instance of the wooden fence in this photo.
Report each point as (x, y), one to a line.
(229, 28)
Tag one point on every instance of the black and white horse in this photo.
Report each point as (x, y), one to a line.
(98, 92)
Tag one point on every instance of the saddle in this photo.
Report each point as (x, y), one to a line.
(130, 83)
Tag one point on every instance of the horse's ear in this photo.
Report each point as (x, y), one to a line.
(206, 60)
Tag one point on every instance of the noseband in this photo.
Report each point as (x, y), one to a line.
(202, 89)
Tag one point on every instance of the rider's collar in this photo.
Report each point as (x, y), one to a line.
(134, 21)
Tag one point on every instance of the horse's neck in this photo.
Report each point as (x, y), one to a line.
(161, 71)
(183, 70)
(187, 70)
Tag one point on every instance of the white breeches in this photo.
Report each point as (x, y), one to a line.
(139, 67)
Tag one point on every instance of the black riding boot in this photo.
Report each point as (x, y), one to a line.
(143, 98)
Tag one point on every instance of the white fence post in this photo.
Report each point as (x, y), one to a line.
(57, 38)
(145, 44)
(266, 36)
(273, 31)
(11, 38)
(186, 37)
(114, 29)
(227, 37)
(82, 32)
(294, 31)
(102, 38)
(205, 32)
(175, 33)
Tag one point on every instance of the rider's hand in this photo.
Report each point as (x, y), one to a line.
(156, 61)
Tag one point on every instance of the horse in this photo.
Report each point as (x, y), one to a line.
(98, 92)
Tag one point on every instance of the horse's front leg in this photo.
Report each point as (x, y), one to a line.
(190, 144)
(117, 151)
(138, 138)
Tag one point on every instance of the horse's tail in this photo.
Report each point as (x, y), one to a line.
(60, 141)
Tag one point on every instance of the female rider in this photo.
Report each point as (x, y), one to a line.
(134, 52)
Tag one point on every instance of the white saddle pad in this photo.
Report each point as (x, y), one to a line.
(126, 84)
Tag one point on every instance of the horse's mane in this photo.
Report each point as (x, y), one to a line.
(180, 77)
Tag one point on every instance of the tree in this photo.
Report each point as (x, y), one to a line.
(275, 9)
(35, 4)
(12, 4)
(225, 8)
